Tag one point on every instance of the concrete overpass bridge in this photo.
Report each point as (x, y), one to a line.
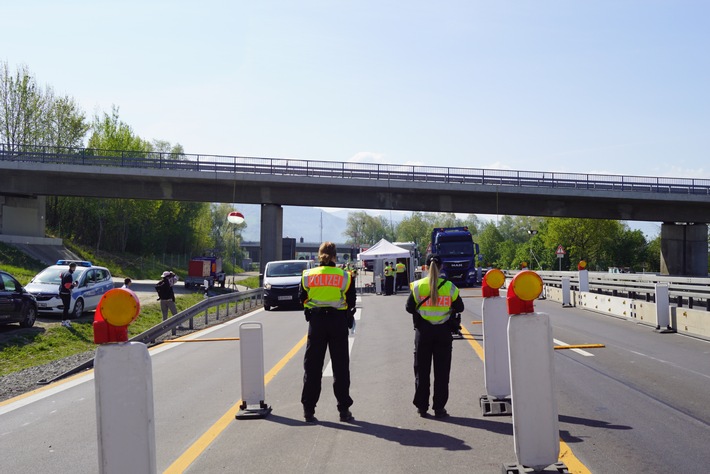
(29, 174)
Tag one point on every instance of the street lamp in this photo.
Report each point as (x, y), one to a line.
(236, 218)
(532, 233)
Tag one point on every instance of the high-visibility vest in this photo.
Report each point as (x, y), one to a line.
(326, 287)
(388, 271)
(436, 312)
(400, 267)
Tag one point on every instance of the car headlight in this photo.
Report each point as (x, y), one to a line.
(267, 286)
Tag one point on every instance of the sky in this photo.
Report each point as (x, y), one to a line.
(610, 86)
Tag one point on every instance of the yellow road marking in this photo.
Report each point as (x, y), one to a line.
(203, 442)
(573, 464)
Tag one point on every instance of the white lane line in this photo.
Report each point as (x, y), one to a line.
(578, 351)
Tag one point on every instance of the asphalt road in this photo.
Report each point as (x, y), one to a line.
(641, 404)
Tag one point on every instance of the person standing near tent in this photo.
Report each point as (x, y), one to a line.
(389, 278)
(400, 269)
(328, 298)
(431, 303)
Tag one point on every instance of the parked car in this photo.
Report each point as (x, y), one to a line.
(281, 281)
(17, 305)
(92, 283)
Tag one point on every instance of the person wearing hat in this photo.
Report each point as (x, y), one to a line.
(432, 302)
(166, 295)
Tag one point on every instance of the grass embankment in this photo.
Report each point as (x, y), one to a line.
(41, 345)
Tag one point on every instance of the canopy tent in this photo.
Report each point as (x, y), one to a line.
(385, 250)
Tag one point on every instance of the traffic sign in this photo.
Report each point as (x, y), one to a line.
(560, 250)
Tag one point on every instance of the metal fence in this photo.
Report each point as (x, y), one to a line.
(346, 170)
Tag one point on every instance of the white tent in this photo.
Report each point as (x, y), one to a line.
(385, 250)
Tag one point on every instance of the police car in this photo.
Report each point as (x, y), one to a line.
(92, 283)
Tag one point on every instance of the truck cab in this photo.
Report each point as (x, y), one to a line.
(458, 254)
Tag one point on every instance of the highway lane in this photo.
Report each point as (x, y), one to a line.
(639, 405)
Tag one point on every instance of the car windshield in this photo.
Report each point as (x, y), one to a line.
(52, 275)
(286, 269)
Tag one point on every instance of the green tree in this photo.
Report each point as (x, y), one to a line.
(364, 229)
(33, 116)
(416, 228)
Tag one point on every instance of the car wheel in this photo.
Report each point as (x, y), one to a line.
(78, 308)
(30, 315)
(267, 307)
(187, 286)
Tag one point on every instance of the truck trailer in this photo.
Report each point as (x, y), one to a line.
(204, 269)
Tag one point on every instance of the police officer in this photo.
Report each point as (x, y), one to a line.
(65, 288)
(389, 278)
(432, 302)
(328, 298)
(401, 276)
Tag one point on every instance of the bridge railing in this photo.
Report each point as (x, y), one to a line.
(351, 170)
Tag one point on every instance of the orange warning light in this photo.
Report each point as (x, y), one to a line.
(492, 281)
(116, 310)
(523, 290)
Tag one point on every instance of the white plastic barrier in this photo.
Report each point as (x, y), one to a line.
(123, 380)
(535, 417)
(566, 292)
(584, 280)
(251, 354)
(496, 369)
(663, 319)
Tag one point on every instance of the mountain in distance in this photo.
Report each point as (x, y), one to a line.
(307, 223)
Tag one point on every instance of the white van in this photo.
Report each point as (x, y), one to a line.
(282, 279)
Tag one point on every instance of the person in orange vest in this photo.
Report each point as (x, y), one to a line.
(432, 303)
(328, 298)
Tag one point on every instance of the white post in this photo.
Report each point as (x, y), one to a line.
(584, 280)
(251, 355)
(565, 292)
(535, 418)
(496, 369)
(663, 309)
(124, 408)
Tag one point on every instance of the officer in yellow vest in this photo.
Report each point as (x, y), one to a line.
(389, 278)
(431, 303)
(328, 298)
(401, 277)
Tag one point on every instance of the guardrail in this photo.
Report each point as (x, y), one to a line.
(251, 297)
(345, 170)
(683, 291)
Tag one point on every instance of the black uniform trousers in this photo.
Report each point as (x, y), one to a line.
(389, 285)
(327, 329)
(432, 342)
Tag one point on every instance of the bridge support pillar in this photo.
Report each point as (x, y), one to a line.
(22, 216)
(272, 216)
(684, 249)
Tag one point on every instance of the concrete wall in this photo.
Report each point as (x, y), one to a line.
(684, 249)
(692, 322)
